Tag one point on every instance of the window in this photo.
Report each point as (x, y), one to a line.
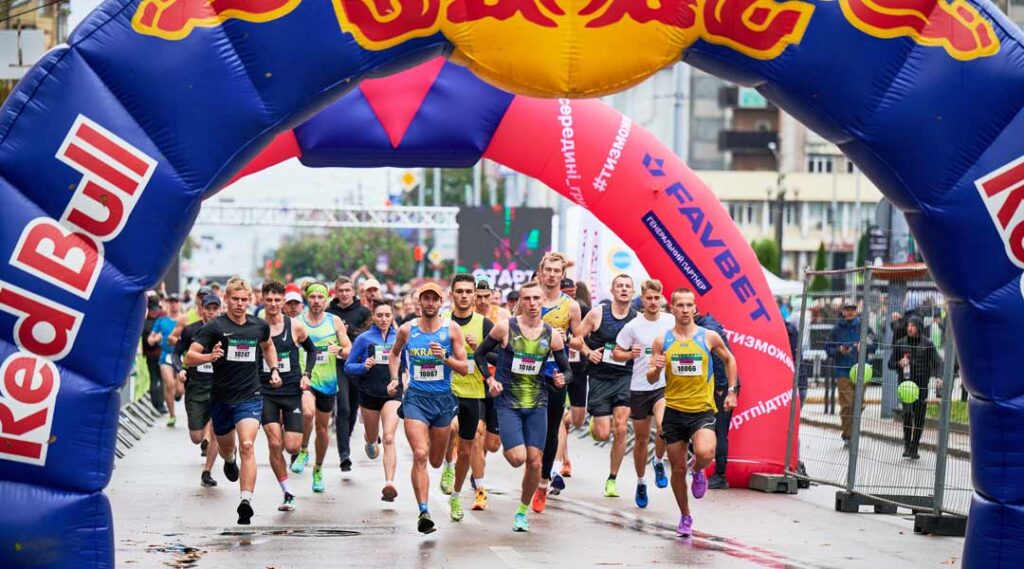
(851, 168)
(817, 213)
(792, 213)
(820, 163)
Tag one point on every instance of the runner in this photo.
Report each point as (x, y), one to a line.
(646, 400)
(434, 348)
(689, 397)
(293, 304)
(197, 381)
(282, 405)
(487, 302)
(563, 314)
(520, 390)
(357, 319)
(368, 364)
(163, 333)
(233, 341)
(578, 388)
(469, 389)
(329, 335)
(195, 314)
(608, 397)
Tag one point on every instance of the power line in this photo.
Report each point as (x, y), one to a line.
(37, 8)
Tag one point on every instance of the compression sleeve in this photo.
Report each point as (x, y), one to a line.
(480, 355)
(310, 349)
(562, 361)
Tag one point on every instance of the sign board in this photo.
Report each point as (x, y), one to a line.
(503, 245)
(749, 98)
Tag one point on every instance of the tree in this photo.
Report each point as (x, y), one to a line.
(342, 251)
(819, 283)
(862, 250)
(454, 184)
(767, 251)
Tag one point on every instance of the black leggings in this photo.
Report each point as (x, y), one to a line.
(348, 407)
(156, 384)
(913, 420)
(556, 410)
(722, 420)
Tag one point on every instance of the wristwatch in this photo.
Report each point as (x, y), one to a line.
(734, 389)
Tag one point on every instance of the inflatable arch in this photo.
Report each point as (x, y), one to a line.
(406, 119)
(154, 104)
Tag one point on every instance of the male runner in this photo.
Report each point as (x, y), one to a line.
(198, 382)
(563, 314)
(163, 332)
(282, 405)
(577, 390)
(646, 400)
(469, 389)
(684, 353)
(487, 303)
(329, 335)
(525, 341)
(434, 348)
(293, 305)
(608, 392)
(357, 319)
(368, 364)
(233, 341)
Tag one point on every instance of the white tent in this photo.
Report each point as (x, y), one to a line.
(780, 286)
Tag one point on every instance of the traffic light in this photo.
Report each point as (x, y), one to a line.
(417, 253)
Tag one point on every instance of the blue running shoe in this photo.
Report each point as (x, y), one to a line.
(659, 474)
(557, 485)
(641, 495)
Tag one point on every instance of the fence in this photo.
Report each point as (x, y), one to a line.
(136, 414)
(883, 413)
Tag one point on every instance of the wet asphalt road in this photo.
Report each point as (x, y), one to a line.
(164, 518)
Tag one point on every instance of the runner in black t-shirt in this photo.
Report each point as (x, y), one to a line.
(357, 319)
(198, 381)
(234, 342)
(282, 405)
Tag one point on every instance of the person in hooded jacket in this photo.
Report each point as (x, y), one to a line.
(722, 418)
(915, 358)
(843, 347)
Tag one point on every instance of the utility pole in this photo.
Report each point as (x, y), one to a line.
(780, 199)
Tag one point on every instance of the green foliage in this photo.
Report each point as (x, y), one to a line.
(862, 250)
(454, 184)
(768, 254)
(343, 251)
(820, 283)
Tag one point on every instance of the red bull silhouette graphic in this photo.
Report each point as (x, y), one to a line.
(471, 10)
(175, 19)
(609, 12)
(380, 24)
(954, 25)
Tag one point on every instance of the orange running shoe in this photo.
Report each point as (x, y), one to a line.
(540, 499)
(566, 469)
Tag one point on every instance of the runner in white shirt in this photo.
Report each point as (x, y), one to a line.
(645, 399)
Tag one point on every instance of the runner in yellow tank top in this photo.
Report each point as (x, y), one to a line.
(685, 355)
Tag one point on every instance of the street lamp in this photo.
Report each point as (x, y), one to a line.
(780, 197)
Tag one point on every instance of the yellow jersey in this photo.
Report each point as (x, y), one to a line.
(689, 375)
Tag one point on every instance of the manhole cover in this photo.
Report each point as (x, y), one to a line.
(293, 532)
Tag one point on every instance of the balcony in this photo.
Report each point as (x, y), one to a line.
(733, 97)
(747, 141)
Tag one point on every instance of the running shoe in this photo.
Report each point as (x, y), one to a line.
(685, 527)
(699, 485)
(447, 479)
(372, 450)
(300, 462)
(540, 499)
(244, 512)
(455, 503)
(424, 524)
(388, 493)
(346, 465)
(207, 480)
(641, 495)
(231, 470)
(519, 523)
(481, 499)
(318, 480)
(288, 505)
(557, 484)
(611, 489)
(718, 482)
(172, 421)
(566, 469)
(660, 479)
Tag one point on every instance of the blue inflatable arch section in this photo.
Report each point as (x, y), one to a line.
(109, 144)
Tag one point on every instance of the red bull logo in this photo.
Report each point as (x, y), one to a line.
(175, 19)
(953, 25)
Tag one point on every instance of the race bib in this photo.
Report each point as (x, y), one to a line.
(648, 352)
(471, 369)
(686, 365)
(574, 356)
(526, 365)
(381, 355)
(241, 350)
(321, 356)
(205, 368)
(168, 360)
(428, 372)
(284, 365)
(606, 357)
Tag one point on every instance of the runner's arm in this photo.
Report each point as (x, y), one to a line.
(355, 364)
(491, 342)
(561, 359)
(343, 339)
(624, 338)
(394, 361)
(310, 348)
(457, 359)
(653, 368)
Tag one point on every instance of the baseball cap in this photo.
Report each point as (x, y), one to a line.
(211, 299)
(432, 287)
(849, 303)
(371, 283)
(204, 290)
(483, 284)
(292, 295)
(568, 283)
(512, 295)
(174, 297)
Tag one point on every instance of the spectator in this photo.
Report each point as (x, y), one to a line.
(722, 418)
(371, 292)
(915, 358)
(843, 346)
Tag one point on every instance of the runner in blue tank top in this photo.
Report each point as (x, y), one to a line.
(432, 349)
